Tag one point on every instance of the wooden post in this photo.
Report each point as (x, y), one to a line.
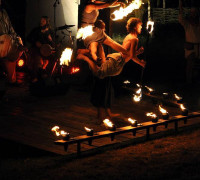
(147, 133)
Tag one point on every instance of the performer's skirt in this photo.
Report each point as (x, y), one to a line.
(112, 67)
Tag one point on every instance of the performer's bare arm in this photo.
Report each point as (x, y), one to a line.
(93, 6)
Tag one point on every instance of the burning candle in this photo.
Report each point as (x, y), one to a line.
(178, 98)
(59, 132)
(153, 117)
(184, 111)
(89, 131)
(65, 135)
(150, 90)
(138, 95)
(133, 122)
(165, 114)
(165, 95)
(109, 125)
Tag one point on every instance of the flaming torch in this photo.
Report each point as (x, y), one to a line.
(133, 122)
(122, 12)
(59, 132)
(165, 114)
(66, 57)
(89, 131)
(109, 125)
(184, 110)
(153, 117)
(85, 32)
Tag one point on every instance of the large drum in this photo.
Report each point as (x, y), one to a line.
(9, 49)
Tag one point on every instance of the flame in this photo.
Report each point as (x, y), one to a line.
(88, 129)
(151, 115)
(85, 32)
(56, 130)
(108, 123)
(20, 63)
(162, 110)
(177, 97)
(122, 12)
(66, 56)
(149, 89)
(127, 82)
(166, 94)
(150, 26)
(138, 85)
(182, 107)
(59, 132)
(138, 96)
(132, 121)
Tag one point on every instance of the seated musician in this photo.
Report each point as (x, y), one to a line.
(9, 41)
(42, 43)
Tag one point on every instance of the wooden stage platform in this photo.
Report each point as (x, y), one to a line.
(28, 120)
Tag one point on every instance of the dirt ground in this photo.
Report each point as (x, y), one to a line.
(172, 157)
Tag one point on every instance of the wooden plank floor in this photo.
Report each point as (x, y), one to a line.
(28, 119)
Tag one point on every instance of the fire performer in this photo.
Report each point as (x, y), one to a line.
(89, 17)
(116, 61)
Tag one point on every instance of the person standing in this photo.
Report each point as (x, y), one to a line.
(10, 46)
(42, 47)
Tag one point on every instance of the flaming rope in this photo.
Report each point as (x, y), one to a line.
(122, 12)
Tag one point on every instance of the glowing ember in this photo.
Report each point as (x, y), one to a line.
(150, 26)
(122, 12)
(66, 57)
(85, 32)
(149, 89)
(151, 115)
(162, 110)
(20, 63)
(126, 82)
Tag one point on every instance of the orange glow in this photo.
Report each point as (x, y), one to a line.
(162, 110)
(75, 70)
(138, 96)
(150, 26)
(56, 130)
(122, 12)
(151, 115)
(85, 32)
(20, 63)
(66, 57)
(127, 82)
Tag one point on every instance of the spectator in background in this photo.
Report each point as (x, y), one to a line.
(191, 26)
(42, 47)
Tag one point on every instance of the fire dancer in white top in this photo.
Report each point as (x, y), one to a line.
(116, 61)
(89, 17)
